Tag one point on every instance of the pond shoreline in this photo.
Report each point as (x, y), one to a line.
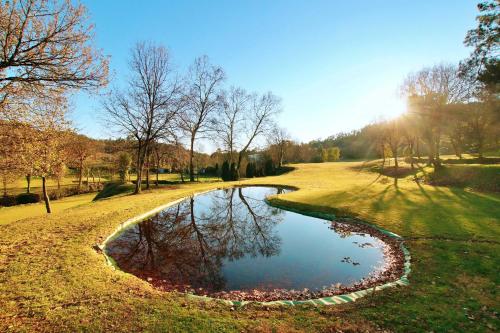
(394, 271)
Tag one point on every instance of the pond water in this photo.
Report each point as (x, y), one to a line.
(230, 239)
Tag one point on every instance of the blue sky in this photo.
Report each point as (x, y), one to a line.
(336, 64)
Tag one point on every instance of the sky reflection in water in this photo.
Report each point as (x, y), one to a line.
(232, 240)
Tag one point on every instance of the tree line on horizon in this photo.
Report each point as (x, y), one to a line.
(451, 109)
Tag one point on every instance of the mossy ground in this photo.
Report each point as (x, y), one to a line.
(51, 279)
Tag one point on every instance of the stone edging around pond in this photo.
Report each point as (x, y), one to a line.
(331, 300)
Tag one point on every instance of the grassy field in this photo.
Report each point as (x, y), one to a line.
(51, 279)
(19, 185)
(14, 213)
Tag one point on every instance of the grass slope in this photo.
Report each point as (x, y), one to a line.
(52, 280)
(14, 213)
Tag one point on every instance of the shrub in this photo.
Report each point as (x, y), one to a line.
(114, 188)
(26, 198)
(269, 168)
(210, 170)
(225, 171)
(250, 172)
(54, 195)
(234, 172)
(124, 162)
(481, 178)
(8, 200)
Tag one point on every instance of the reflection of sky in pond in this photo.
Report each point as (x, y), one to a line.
(237, 242)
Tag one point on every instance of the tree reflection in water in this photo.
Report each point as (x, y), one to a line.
(184, 246)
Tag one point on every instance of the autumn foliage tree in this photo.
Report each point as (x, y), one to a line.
(79, 149)
(50, 131)
(46, 47)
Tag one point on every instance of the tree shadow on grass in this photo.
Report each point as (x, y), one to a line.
(415, 210)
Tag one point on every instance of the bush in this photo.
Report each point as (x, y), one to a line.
(124, 161)
(27, 198)
(269, 169)
(8, 200)
(234, 172)
(70, 191)
(250, 172)
(212, 171)
(283, 169)
(225, 171)
(481, 178)
(114, 188)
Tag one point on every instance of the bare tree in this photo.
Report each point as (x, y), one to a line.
(160, 152)
(394, 135)
(259, 119)
(429, 91)
(148, 108)
(46, 46)
(229, 122)
(202, 98)
(279, 138)
(243, 119)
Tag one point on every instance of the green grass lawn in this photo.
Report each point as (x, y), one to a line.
(14, 213)
(51, 279)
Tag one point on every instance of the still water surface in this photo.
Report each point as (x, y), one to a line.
(232, 240)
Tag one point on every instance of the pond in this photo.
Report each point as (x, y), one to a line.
(228, 243)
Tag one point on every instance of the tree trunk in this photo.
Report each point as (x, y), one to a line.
(157, 176)
(410, 144)
(395, 154)
(383, 157)
(431, 153)
(138, 167)
(191, 167)
(28, 181)
(455, 146)
(280, 162)
(437, 161)
(418, 148)
(182, 175)
(147, 168)
(480, 144)
(80, 176)
(45, 195)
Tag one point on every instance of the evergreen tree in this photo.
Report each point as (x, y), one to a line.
(269, 167)
(250, 170)
(225, 174)
(234, 172)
